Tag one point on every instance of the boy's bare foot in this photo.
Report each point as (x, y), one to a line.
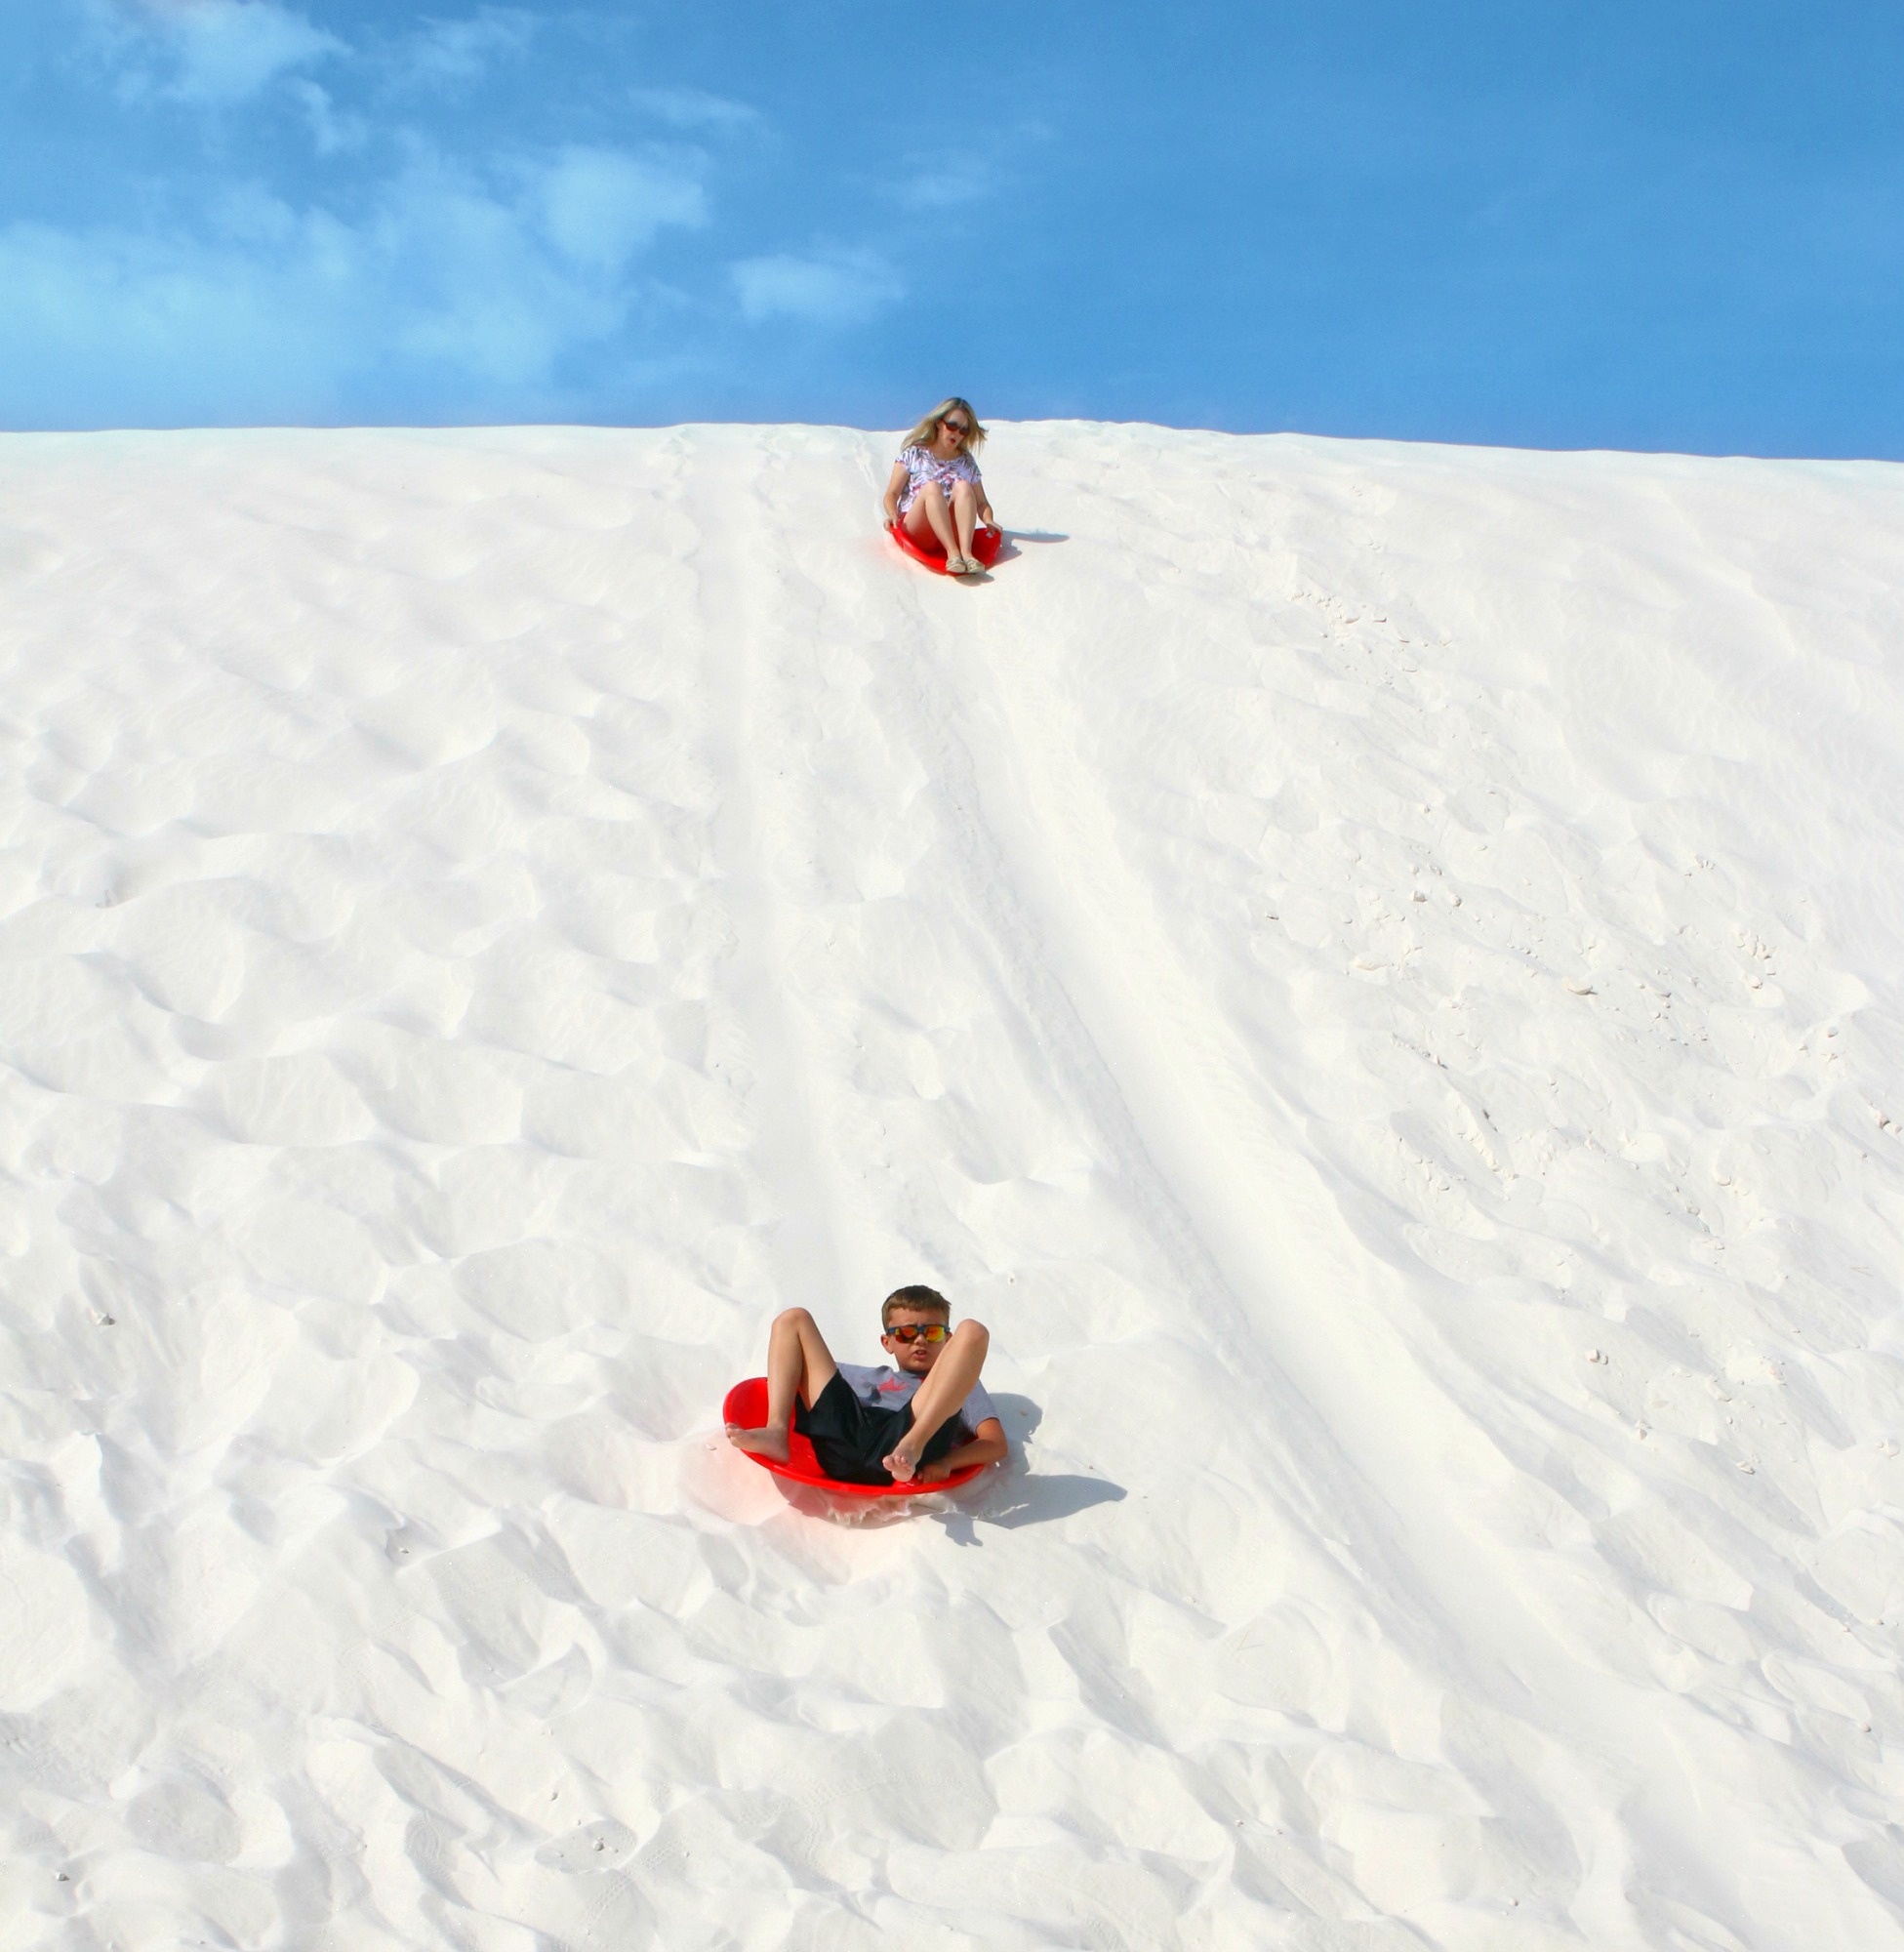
(904, 1463)
(766, 1442)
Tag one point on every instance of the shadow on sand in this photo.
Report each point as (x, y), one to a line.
(1017, 1495)
(1027, 1499)
(1013, 537)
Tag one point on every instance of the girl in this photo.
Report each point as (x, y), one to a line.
(936, 486)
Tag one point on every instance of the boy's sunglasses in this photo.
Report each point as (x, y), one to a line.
(918, 1331)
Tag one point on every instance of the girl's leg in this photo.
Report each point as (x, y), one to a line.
(965, 519)
(798, 1364)
(929, 512)
(946, 1385)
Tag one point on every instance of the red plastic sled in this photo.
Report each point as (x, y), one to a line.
(746, 1408)
(986, 544)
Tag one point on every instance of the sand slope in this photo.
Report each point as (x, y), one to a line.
(1376, 971)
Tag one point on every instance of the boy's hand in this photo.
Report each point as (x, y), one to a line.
(935, 1473)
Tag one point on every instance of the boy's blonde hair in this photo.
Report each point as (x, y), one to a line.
(927, 432)
(919, 1300)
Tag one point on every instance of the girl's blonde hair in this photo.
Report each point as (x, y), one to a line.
(927, 431)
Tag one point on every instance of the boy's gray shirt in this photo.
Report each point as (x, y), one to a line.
(887, 1388)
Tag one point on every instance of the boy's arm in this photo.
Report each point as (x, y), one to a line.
(988, 1446)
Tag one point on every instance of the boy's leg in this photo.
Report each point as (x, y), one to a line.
(947, 1384)
(799, 1364)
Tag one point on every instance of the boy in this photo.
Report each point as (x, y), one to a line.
(925, 1419)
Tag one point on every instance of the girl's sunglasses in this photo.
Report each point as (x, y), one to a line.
(919, 1332)
(960, 427)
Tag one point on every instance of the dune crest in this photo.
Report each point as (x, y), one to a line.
(1373, 969)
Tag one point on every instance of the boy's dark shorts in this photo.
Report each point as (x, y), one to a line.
(850, 1437)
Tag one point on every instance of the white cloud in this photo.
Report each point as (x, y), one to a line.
(825, 288)
(448, 296)
(454, 51)
(943, 189)
(331, 131)
(601, 206)
(695, 108)
(221, 52)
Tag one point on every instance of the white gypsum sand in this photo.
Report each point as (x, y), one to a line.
(1375, 969)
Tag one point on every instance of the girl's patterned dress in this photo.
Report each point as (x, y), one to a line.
(921, 464)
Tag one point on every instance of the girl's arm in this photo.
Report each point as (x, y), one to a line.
(992, 522)
(988, 1446)
(895, 488)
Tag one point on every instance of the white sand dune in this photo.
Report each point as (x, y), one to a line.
(1375, 969)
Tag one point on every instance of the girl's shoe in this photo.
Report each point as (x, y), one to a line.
(960, 565)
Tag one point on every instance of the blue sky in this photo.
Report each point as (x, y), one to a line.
(1549, 224)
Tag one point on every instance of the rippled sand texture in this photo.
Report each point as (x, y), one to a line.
(1374, 969)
